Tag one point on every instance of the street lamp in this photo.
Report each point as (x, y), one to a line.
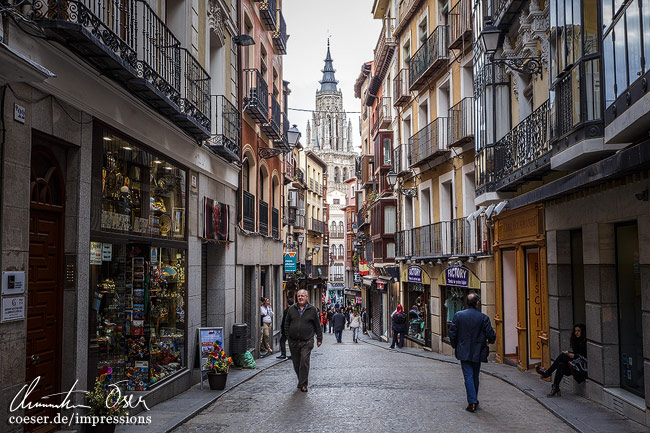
(293, 135)
(243, 40)
(489, 40)
(301, 238)
(391, 177)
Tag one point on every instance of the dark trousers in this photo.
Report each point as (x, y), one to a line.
(401, 340)
(338, 335)
(471, 371)
(301, 357)
(561, 368)
(283, 347)
(324, 328)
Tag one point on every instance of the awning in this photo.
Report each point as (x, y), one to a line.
(15, 66)
(368, 280)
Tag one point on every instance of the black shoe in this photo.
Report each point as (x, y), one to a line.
(542, 372)
(555, 392)
(281, 357)
(392, 347)
(288, 357)
(471, 407)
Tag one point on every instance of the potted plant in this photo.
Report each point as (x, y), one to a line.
(103, 402)
(218, 365)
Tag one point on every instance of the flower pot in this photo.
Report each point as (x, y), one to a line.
(217, 380)
(101, 428)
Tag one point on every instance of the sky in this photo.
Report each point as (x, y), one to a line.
(353, 36)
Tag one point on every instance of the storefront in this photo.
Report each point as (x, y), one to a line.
(456, 282)
(138, 258)
(521, 290)
(416, 285)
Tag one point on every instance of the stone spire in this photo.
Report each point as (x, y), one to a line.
(329, 82)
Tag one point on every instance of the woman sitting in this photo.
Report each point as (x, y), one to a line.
(578, 344)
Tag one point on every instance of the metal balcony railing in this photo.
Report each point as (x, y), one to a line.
(461, 122)
(299, 223)
(460, 28)
(128, 42)
(280, 35)
(384, 50)
(275, 223)
(523, 152)
(289, 168)
(457, 237)
(401, 159)
(273, 129)
(268, 14)
(224, 139)
(256, 99)
(264, 218)
(249, 211)
(401, 93)
(405, 10)
(429, 58)
(429, 142)
(300, 177)
(317, 226)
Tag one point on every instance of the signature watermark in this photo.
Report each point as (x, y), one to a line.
(114, 400)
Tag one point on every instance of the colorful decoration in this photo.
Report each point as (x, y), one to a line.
(217, 361)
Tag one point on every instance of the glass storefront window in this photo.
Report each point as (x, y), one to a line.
(454, 299)
(417, 311)
(140, 193)
(137, 311)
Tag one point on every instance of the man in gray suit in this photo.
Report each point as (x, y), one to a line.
(470, 333)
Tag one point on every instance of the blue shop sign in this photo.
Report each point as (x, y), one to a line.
(290, 261)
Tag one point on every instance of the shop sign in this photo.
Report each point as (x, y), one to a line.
(13, 308)
(459, 276)
(95, 253)
(107, 252)
(215, 220)
(290, 261)
(363, 267)
(381, 285)
(414, 274)
(13, 283)
(206, 339)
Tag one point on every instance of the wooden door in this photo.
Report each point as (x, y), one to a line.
(45, 284)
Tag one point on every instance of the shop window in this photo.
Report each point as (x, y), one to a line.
(141, 193)
(417, 314)
(454, 299)
(137, 314)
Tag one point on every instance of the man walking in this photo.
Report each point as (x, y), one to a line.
(338, 321)
(283, 336)
(267, 323)
(300, 325)
(469, 334)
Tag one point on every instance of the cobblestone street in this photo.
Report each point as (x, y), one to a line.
(350, 390)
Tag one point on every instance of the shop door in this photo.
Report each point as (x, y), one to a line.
(45, 284)
(507, 323)
(630, 324)
(534, 304)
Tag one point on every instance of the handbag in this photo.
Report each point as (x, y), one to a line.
(578, 367)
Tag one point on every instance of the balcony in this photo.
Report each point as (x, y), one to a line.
(385, 112)
(299, 222)
(280, 35)
(299, 179)
(460, 28)
(367, 169)
(284, 141)
(224, 140)
(430, 59)
(268, 14)
(401, 93)
(429, 142)
(337, 234)
(506, 11)
(275, 223)
(461, 122)
(264, 218)
(336, 277)
(406, 10)
(273, 128)
(136, 49)
(317, 226)
(401, 159)
(289, 169)
(384, 51)
(256, 96)
(311, 185)
(524, 153)
(289, 216)
(249, 211)
(443, 239)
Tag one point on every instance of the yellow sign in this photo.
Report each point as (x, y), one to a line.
(534, 306)
(521, 224)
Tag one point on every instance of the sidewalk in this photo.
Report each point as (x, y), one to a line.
(582, 414)
(171, 413)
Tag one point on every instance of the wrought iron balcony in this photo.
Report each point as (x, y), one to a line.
(524, 153)
(384, 51)
(224, 140)
(268, 14)
(405, 11)
(299, 179)
(457, 237)
(430, 59)
(249, 211)
(273, 128)
(280, 35)
(506, 11)
(126, 41)
(317, 226)
(299, 223)
(461, 122)
(256, 96)
(289, 168)
(429, 142)
(385, 112)
(401, 159)
(460, 28)
(264, 218)
(275, 223)
(401, 93)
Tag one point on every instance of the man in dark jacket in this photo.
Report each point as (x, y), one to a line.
(399, 326)
(338, 321)
(469, 334)
(300, 325)
(330, 313)
(283, 337)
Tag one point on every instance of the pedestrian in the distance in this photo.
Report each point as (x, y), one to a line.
(330, 313)
(267, 324)
(283, 336)
(301, 323)
(399, 326)
(364, 321)
(338, 321)
(355, 324)
(469, 334)
(323, 320)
